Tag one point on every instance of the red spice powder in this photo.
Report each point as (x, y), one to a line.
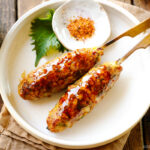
(81, 28)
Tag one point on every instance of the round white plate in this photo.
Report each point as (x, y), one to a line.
(120, 110)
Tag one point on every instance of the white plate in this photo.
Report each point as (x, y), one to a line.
(120, 110)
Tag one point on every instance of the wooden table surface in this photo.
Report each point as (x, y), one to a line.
(11, 10)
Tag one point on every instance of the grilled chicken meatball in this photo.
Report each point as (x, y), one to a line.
(81, 97)
(57, 74)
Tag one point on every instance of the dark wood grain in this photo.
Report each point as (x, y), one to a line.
(7, 16)
(7, 19)
(146, 130)
(135, 140)
(1, 103)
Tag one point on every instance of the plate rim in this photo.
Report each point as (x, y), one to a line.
(36, 133)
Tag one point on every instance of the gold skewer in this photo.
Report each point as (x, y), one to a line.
(142, 44)
(131, 32)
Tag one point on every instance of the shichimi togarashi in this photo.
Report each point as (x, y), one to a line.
(81, 28)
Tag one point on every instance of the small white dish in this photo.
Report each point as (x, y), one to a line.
(72, 9)
(118, 113)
